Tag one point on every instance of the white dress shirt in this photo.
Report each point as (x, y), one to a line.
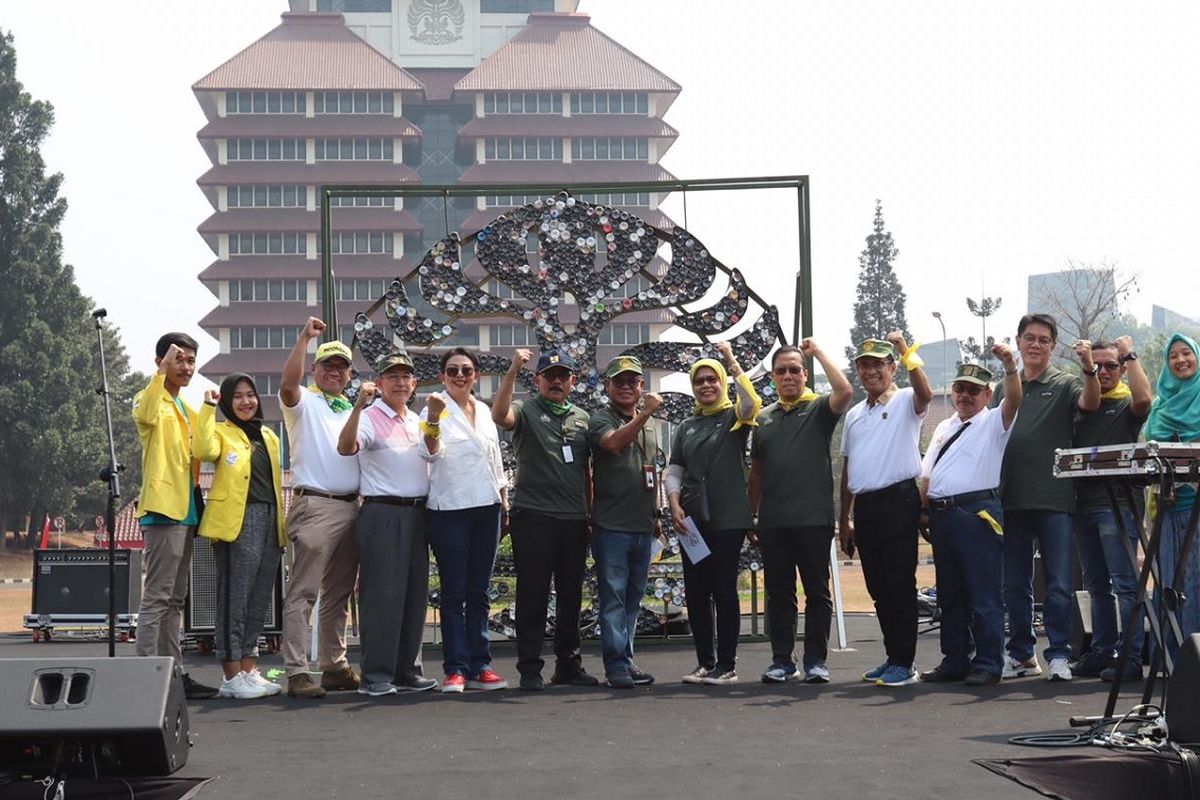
(972, 464)
(466, 471)
(883, 443)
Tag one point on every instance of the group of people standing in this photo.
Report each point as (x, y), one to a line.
(434, 478)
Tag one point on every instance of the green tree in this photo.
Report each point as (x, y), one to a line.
(52, 439)
(879, 307)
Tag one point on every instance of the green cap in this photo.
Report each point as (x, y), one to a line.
(973, 373)
(398, 358)
(623, 364)
(875, 348)
(334, 350)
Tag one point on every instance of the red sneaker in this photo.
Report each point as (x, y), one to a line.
(487, 681)
(453, 683)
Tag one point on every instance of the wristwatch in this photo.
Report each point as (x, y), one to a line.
(1091, 373)
(1130, 356)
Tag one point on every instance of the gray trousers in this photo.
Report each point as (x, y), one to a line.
(393, 591)
(246, 570)
(167, 552)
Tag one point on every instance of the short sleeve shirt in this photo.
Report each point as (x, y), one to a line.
(389, 453)
(882, 443)
(1046, 423)
(1113, 423)
(792, 448)
(313, 429)
(972, 462)
(622, 501)
(692, 449)
(547, 481)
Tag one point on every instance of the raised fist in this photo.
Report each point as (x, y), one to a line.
(520, 358)
(313, 328)
(726, 350)
(366, 393)
(174, 357)
(897, 340)
(1005, 354)
(1083, 349)
(809, 347)
(651, 402)
(212, 396)
(434, 407)
(1124, 345)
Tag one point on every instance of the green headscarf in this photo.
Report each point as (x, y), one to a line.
(1176, 408)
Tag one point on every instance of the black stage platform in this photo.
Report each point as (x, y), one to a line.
(846, 739)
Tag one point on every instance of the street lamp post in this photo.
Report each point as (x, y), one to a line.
(938, 316)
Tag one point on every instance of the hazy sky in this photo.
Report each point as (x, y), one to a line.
(1001, 138)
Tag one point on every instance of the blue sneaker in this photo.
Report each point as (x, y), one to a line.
(817, 673)
(873, 675)
(779, 673)
(897, 676)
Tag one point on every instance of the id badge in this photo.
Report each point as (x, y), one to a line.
(648, 479)
(568, 454)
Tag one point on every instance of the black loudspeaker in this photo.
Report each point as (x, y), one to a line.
(200, 610)
(88, 716)
(1183, 694)
(76, 581)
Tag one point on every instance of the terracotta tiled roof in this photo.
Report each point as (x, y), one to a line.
(582, 125)
(379, 125)
(264, 267)
(438, 83)
(293, 220)
(555, 172)
(324, 172)
(309, 51)
(563, 52)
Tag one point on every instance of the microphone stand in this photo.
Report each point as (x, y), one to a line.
(111, 474)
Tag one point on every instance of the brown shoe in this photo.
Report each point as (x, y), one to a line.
(302, 685)
(340, 680)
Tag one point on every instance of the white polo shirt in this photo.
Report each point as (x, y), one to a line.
(466, 471)
(972, 464)
(883, 443)
(388, 453)
(313, 429)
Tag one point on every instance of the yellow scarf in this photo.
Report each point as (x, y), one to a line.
(1118, 392)
(807, 396)
(724, 402)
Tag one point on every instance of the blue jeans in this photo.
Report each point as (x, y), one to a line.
(1108, 570)
(969, 558)
(1052, 531)
(464, 544)
(1174, 528)
(622, 564)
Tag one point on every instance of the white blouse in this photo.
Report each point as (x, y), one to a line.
(466, 471)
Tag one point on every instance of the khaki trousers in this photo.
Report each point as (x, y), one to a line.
(325, 560)
(167, 551)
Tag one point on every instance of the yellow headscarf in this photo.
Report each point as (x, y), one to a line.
(724, 402)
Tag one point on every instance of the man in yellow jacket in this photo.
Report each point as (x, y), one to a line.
(168, 509)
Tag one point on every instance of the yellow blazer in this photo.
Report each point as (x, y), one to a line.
(169, 472)
(229, 448)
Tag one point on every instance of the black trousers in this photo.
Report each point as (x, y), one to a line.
(885, 531)
(712, 584)
(786, 550)
(546, 548)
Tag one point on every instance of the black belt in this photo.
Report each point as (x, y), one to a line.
(905, 484)
(395, 501)
(345, 498)
(964, 499)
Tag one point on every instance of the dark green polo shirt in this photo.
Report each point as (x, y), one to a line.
(1045, 423)
(692, 448)
(797, 473)
(1113, 423)
(621, 501)
(545, 482)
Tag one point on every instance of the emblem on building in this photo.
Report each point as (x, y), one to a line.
(436, 22)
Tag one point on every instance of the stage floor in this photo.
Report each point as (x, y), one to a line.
(846, 739)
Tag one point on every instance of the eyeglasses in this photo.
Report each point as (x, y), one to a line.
(626, 380)
(1029, 338)
(395, 375)
(704, 380)
(556, 375)
(1110, 366)
(972, 389)
(454, 370)
(332, 367)
(788, 370)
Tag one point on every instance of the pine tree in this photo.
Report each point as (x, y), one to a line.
(879, 307)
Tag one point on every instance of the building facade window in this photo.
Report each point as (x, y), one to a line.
(523, 149)
(372, 6)
(361, 149)
(266, 197)
(614, 148)
(624, 333)
(522, 103)
(358, 201)
(618, 199)
(360, 289)
(266, 150)
(463, 336)
(268, 384)
(262, 338)
(631, 287)
(511, 335)
(513, 6)
(252, 291)
(360, 242)
(260, 244)
(610, 103)
(265, 102)
(354, 103)
(497, 289)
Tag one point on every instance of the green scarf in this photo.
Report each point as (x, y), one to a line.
(1176, 408)
(557, 409)
(337, 402)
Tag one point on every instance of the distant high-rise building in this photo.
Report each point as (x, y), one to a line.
(395, 92)
(1164, 319)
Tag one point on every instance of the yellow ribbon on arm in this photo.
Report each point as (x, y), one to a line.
(990, 520)
(747, 415)
(1118, 392)
(808, 396)
(910, 359)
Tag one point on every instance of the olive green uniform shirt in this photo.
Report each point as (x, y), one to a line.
(1046, 423)
(621, 500)
(1113, 423)
(546, 482)
(692, 448)
(792, 448)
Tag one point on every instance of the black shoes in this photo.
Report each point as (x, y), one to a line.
(575, 677)
(939, 675)
(197, 691)
(640, 676)
(980, 678)
(532, 683)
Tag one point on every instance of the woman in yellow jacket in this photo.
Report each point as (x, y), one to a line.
(244, 518)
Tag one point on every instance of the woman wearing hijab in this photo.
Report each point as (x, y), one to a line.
(1175, 417)
(466, 487)
(244, 519)
(706, 481)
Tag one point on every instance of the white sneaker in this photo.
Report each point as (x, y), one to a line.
(255, 677)
(1059, 670)
(1021, 669)
(241, 687)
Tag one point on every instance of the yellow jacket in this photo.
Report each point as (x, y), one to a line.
(229, 448)
(168, 470)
